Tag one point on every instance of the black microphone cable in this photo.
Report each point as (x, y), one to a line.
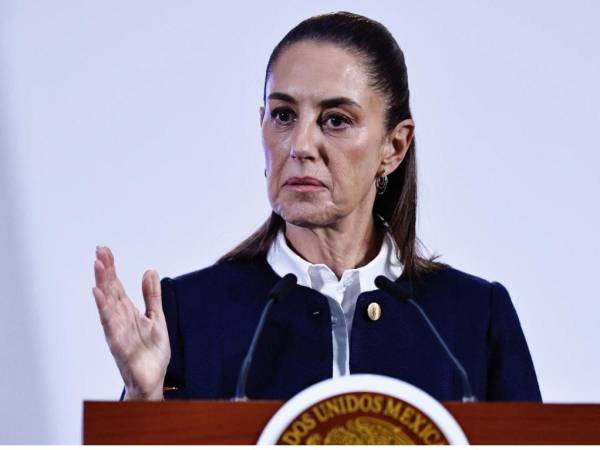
(397, 291)
(279, 291)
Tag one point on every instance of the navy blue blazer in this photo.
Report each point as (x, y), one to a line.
(212, 313)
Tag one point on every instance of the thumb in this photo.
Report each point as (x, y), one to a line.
(151, 292)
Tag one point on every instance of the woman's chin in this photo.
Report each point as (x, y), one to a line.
(307, 216)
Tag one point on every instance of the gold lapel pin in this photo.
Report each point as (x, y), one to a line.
(374, 311)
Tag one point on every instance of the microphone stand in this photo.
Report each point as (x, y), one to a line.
(282, 287)
(396, 291)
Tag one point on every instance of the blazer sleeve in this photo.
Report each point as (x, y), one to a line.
(511, 374)
(174, 385)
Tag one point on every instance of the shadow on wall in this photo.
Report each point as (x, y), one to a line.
(22, 408)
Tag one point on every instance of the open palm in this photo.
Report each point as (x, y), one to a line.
(138, 342)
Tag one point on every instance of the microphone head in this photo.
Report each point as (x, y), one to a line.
(394, 289)
(283, 286)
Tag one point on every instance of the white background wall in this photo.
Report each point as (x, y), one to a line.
(135, 124)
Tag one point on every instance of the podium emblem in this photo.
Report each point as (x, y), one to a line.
(362, 409)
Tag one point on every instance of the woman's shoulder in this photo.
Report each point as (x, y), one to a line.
(225, 274)
(453, 276)
(460, 284)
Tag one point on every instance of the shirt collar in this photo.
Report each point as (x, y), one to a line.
(284, 260)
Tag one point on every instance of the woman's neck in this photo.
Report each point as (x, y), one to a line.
(342, 247)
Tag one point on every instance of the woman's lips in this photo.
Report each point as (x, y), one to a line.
(304, 184)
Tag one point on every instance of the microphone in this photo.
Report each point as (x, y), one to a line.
(404, 296)
(280, 290)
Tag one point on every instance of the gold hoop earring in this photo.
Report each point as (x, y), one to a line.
(381, 184)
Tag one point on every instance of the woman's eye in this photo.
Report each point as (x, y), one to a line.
(336, 121)
(282, 116)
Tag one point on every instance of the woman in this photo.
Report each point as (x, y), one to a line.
(341, 173)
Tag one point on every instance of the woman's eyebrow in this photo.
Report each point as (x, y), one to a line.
(326, 103)
(338, 101)
(281, 96)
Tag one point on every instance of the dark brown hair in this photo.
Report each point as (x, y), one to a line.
(386, 68)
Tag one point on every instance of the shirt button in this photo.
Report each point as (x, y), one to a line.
(374, 311)
(347, 282)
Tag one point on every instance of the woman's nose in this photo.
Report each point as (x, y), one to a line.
(304, 145)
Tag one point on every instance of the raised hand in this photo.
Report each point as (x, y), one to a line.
(138, 342)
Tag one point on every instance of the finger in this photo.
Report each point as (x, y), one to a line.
(102, 253)
(111, 260)
(113, 272)
(112, 281)
(100, 275)
(102, 256)
(103, 305)
(112, 268)
(101, 300)
(152, 295)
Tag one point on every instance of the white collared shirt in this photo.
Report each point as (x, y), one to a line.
(342, 294)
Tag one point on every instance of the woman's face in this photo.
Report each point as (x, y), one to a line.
(323, 132)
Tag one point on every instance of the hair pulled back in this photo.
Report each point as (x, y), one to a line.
(386, 68)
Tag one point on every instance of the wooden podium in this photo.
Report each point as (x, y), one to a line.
(224, 422)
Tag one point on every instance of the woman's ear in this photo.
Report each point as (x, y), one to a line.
(397, 144)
